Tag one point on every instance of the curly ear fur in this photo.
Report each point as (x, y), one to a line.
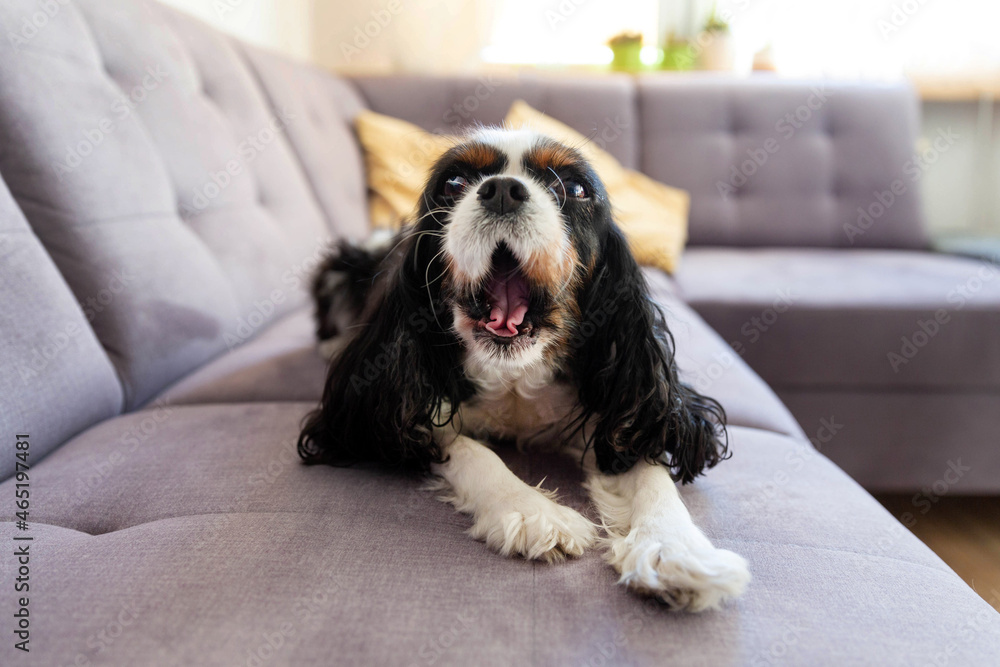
(399, 374)
(634, 405)
(341, 285)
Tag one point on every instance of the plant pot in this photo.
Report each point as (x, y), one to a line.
(627, 56)
(678, 56)
(717, 52)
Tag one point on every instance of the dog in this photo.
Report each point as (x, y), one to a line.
(511, 308)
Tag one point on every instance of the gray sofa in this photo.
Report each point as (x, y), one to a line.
(166, 192)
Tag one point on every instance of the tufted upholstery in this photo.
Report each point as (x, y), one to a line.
(54, 378)
(225, 539)
(843, 146)
(323, 138)
(813, 171)
(162, 115)
(602, 108)
(190, 534)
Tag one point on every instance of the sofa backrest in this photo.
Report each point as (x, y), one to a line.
(324, 141)
(779, 163)
(55, 379)
(767, 162)
(602, 108)
(145, 154)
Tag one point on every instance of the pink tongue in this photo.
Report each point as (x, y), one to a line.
(509, 296)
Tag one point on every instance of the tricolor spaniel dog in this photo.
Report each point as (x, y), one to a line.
(512, 308)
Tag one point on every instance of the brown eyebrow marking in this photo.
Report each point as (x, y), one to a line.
(477, 155)
(551, 155)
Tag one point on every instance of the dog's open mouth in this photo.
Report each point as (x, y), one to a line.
(508, 294)
(505, 304)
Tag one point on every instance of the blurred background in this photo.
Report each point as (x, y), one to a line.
(948, 50)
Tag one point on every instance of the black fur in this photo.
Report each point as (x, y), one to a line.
(357, 268)
(386, 391)
(634, 405)
(401, 373)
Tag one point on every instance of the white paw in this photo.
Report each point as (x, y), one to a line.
(533, 525)
(684, 571)
(331, 347)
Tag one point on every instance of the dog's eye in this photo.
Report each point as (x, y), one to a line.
(576, 190)
(454, 186)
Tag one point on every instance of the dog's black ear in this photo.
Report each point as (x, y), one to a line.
(397, 378)
(634, 405)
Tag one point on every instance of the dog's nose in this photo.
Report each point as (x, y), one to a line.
(502, 195)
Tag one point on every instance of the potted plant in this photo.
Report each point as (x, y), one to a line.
(627, 49)
(715, 44)
(678, 54)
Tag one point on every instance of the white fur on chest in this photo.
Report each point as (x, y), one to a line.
(527, 405)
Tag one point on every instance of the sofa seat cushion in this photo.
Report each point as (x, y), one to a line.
(282, 364)
(901, 441)
(197, 530)
(865, 319)
(710, 366)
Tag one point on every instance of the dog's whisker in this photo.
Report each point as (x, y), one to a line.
(562, 202)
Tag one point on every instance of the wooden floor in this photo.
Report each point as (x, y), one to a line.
(964, 531)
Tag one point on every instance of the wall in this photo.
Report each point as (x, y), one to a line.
(279, 25)
(398, 35)
(961, 188)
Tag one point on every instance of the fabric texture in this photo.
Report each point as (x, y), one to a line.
(864, 319)
(772, 162)
(899, 441)
(323, 139)
(890, 360)
(136, 138)
(55, 379)
(602, 108)
(281, 364)
(359, 564)
(712, 368)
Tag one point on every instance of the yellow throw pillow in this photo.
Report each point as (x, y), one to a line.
(400, 155)
(398, 158)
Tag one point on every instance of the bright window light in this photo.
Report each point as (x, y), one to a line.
(569, 32)
(843, 38)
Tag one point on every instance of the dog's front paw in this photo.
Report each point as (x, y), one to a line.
(684, 571)
(534, 526)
